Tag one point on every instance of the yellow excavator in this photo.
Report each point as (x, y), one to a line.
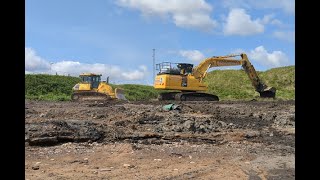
(92, 88)
(189, 81)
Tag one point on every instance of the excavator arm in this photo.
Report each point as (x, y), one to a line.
(200, 71)
(259, 86)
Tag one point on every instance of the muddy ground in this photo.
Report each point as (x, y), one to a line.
(141, 140)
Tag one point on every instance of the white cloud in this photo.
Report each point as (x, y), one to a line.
(235, 4)
(285, 35)
(239, 22)
(276, 22)
(288, 6)
(35, 64)
(267, 18)
(184, 13)
(272, 59)
(193, 55)
(137, 74)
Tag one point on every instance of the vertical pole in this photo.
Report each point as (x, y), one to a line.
(153, 64)
(51, 67)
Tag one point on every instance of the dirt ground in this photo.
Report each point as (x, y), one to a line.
(142, 140)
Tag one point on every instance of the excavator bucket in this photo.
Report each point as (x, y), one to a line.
(269, 92)
(120, 94)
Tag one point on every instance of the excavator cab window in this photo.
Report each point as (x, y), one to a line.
(185, 68)
(168, 68)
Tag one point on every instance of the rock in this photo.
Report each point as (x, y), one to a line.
(177, 128)
(35, 167)
(189, 125)
(202, 128)
(128, 166)
(252, 134)
(223, 124)
(80, 161)
(105, 169)
(157, 159)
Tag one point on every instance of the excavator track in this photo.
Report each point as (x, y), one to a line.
(195, 96)
(89, 96)
(167, 96)
(187, 96)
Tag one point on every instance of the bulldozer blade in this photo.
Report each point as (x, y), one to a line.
(268, 93)
(120, 94)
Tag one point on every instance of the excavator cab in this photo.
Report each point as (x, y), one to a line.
(174, 68)
(185, 68)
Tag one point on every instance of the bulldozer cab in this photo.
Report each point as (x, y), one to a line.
(93, 79)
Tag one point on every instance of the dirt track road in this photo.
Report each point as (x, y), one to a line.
(141, 140)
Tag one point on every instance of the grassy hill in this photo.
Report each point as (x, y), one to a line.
(227, 84)
(235, 84)
(49, 87)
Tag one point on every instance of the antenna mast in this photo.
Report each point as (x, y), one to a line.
(153, 63)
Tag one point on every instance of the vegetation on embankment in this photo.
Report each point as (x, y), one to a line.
(235, 84)
(227, 84)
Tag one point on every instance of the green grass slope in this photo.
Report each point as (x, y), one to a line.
(235, 84)
(227, 84)
(134, 92)
(49, 87)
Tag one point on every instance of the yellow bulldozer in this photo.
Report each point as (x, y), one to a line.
(92, 88)
(188, 80)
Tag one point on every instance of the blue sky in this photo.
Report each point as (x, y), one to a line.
(116, 38)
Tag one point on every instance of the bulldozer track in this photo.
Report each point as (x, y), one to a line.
(87, 96)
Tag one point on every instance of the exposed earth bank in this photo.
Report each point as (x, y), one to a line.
(143, 140)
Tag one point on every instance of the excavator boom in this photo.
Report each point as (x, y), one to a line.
(215, 61)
